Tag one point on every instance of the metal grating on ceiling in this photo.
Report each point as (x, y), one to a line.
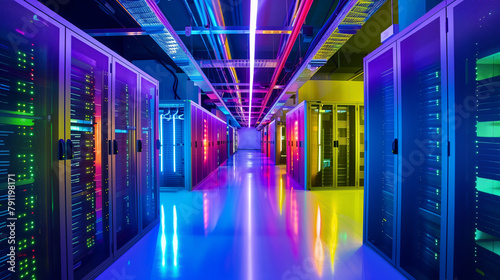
(149, 16)
(237, 63)
(356, 17)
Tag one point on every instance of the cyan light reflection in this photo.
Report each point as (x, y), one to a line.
(175, 241)
(163, 238)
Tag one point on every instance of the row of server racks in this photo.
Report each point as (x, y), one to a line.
(78, 161)
(273, 142)
(432, 96)
(232, 139)
(325, 145)
(193, 144)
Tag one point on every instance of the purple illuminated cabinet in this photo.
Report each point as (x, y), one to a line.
(432, 180)
(193, 144)
(277, 142)
(232, 140)
(80, 124)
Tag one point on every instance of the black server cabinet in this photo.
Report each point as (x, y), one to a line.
(381, 179)
(31, 122)
(126, 220)
(423, 149)
(148, 156)
(474, 57)
(87, 158)
(407, 148)
(65, 146)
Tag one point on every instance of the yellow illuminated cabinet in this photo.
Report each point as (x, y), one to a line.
(334, 143)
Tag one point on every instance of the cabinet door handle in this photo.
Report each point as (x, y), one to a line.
(139, 146)
(61, 148)
(115, 147)
(158, 144)
(395, 146)
(69, 151)
(336, 143)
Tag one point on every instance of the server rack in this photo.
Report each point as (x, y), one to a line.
(333, 131)
(264, 140)
(193, 143)
(233, 140)
(62, 137)
(381, 160)
(446, 106)
(31, 117)
(296, 153)
(474, 83)
(277, 141)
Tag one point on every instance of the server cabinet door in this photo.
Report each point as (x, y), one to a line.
(381, 148)
(423, 158)
(87, 150)
(126, 222)
(360, 166)
(474, 54)
(289, 152)
(321, 145)
(172, 146)
(147, 152)
(295, 140)
(283, 149)
(194, 145)
(302, 160)
(31, 123)
(205, 139)
(200, 135)
(346, 145)
(272, 134)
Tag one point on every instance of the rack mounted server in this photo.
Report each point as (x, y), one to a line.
(276, 141)
(324, 146)
(193, 143)
(78, 129)
(432, 194)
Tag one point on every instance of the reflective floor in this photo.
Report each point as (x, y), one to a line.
(250, 221)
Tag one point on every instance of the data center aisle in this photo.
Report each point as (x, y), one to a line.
(249, 221)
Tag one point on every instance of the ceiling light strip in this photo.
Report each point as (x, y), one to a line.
(253, 27)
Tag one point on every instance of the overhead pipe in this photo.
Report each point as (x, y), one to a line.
(219, 19)
(214, 12)
(200, 7)
(288, 22)
(304, 7)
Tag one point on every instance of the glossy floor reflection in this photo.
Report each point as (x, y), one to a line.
(250, 221)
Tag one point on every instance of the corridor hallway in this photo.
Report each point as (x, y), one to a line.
(248, 220)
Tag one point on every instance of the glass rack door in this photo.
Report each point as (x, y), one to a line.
(31, 124)
(126, 198)
(88, 152)
(148, 153)
(381, 159)
(322, 158)
(346, 145)
(361, 144)
(423, 147)
(475, 137)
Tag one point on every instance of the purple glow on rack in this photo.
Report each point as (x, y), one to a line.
(20, 32)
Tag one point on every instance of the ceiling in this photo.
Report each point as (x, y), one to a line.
(219, 42)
